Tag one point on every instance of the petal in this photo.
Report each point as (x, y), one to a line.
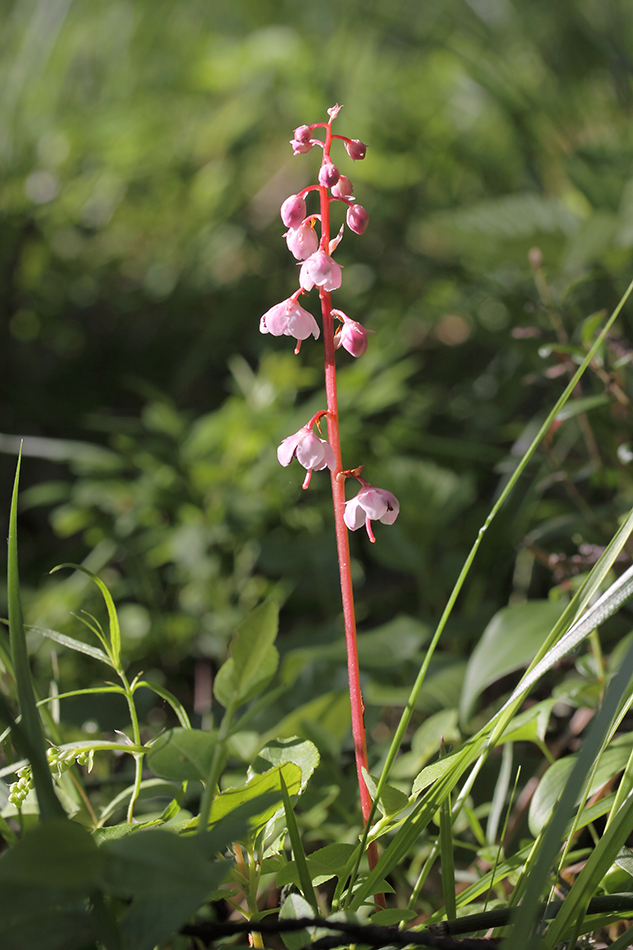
(288, 447)
(301, 324)
(393, 508)
(353, 516)
(310, 452)
(373, 502)
(305, 279)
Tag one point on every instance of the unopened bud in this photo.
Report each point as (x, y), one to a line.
(357, 219)
(328, 175)
(355, 149)
(343, 188)
(302, 134)
(293, 211)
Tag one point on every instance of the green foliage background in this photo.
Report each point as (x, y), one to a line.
(144, 158)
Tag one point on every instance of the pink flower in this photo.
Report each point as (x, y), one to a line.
(355, 149)
(370, 504)
(328, 175)
(293, 211)
(343, 188)
(310, 451)
(288, 318)
(352, 336)
(322, 270)
(302, 241)
(357, 219)
(301, 142)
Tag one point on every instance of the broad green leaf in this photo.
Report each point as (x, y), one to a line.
(510, 641)
(330, 714)
(300, 751)
(323, 865)
(43, 918)
(230, 799)
(530, 725)
(295, 907)
(391, 802)
(433, 772)
(58, 853)
(612, 761)
(425, 742)
(181, 754)
(254, 658)
(158, 863)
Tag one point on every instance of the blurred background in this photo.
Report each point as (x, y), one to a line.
(144, 155)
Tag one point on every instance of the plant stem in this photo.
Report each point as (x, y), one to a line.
(342, 540)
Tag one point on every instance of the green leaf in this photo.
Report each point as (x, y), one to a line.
(295, 907)
(30, 729)
(115, 630)
(530, 725)
(510, 641)
(58, 853)
(230, 799)
(293, 749)
(43, 918)
(158, 863)
(294, 834)
(254, 658)
(323, 865)
(612, 761)
(181, 754)
(72, 644)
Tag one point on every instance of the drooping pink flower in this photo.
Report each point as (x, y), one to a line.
(370, 504)
(288, 318)
(343, 188)
(293, 211)
(313, 453)
(328, 175)
(352, 336)
(321, 270)
(357, 219)
(355, 149)
(302, 241)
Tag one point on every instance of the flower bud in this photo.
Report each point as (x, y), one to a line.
(357, 219)
(293, 211)
(355, 149)
(343, 188)
(352, 337)
(302, 134)
(328, 175)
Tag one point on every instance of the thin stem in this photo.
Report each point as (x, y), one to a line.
(342, 540)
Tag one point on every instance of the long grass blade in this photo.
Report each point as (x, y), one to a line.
(297, 848)
(29, 736)
(522, 937)
(417, 686)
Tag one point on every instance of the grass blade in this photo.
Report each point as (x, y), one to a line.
(297, 848)
(527, 911)
(29, 736)
(71, 643)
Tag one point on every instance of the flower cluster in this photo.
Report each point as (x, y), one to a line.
(59, 761)
(288, 318)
